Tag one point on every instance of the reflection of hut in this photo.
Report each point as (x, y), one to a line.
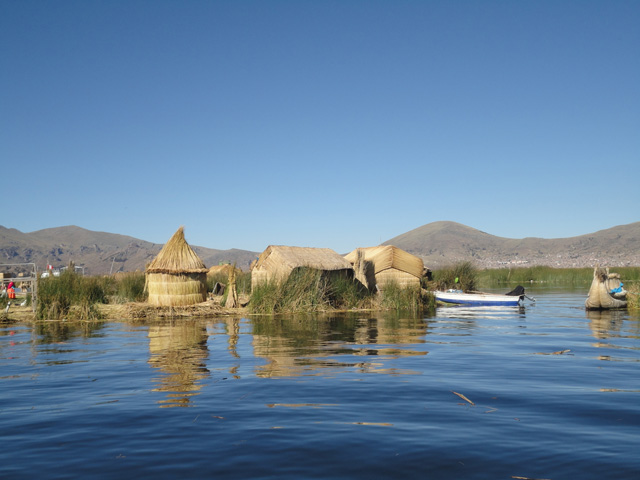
(180, 352)
(387, 264)
(176, 276)
(277, 262)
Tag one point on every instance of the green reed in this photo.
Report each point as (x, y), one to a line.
(126, 287)
(307, 290)
(461, 276)
(243, 281)
(70, 296)
(549, 275)
(406, 298)
(633, 296)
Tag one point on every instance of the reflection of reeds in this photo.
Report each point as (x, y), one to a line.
(307, 345)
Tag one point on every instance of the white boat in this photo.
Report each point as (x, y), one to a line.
(511, 299)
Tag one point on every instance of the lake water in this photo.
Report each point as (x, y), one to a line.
(544, 391)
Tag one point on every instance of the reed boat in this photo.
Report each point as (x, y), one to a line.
(606, 291)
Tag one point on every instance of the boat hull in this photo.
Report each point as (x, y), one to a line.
(479, 299)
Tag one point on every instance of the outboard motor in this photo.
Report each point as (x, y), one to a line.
(517, 292)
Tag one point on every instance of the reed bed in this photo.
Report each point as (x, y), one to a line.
(70, 296)
(305, 290)
(549, 275)
(633, 296)
(243, 282)
(74, 296)
(127, 287)
(308, 290)
(406, 298)
(461, 276)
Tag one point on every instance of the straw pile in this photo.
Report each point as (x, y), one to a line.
(176, 276)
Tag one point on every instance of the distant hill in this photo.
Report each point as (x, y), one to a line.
(98, 252)
(439, 244)
(444, 243)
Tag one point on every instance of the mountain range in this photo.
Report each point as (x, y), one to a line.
(444, 243)
(98, 252)
(439, 244)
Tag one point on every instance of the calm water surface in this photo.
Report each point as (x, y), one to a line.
(544, 391)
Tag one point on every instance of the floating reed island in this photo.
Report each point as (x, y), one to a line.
(286, 279)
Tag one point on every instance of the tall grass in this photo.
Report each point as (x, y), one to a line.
(406, 298)
(633, 296)
(74, 296)
(127, 287)
(549, 275)
(462, 276)
(57, 296)
(307, 290)
(243, 283)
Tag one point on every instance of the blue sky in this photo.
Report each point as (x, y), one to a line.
(319, 123)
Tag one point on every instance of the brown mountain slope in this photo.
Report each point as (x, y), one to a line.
(98, 252)
(439, 244)
(445, 243)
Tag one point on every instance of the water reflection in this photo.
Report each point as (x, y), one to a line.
(47, 333)
(179, 351)
(299, 346)
(603, 322)
(612, 329)
(466, 312)
(232, 330)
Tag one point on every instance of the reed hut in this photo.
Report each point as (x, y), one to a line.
(386, 264)
(223, 270)
(176, 276)
(277, 262)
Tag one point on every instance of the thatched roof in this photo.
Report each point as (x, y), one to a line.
(223, 269)
(293, 257)
(278, 261)
(177, 257)
(387, 257)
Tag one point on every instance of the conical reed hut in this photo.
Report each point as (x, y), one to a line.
(176, 276)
